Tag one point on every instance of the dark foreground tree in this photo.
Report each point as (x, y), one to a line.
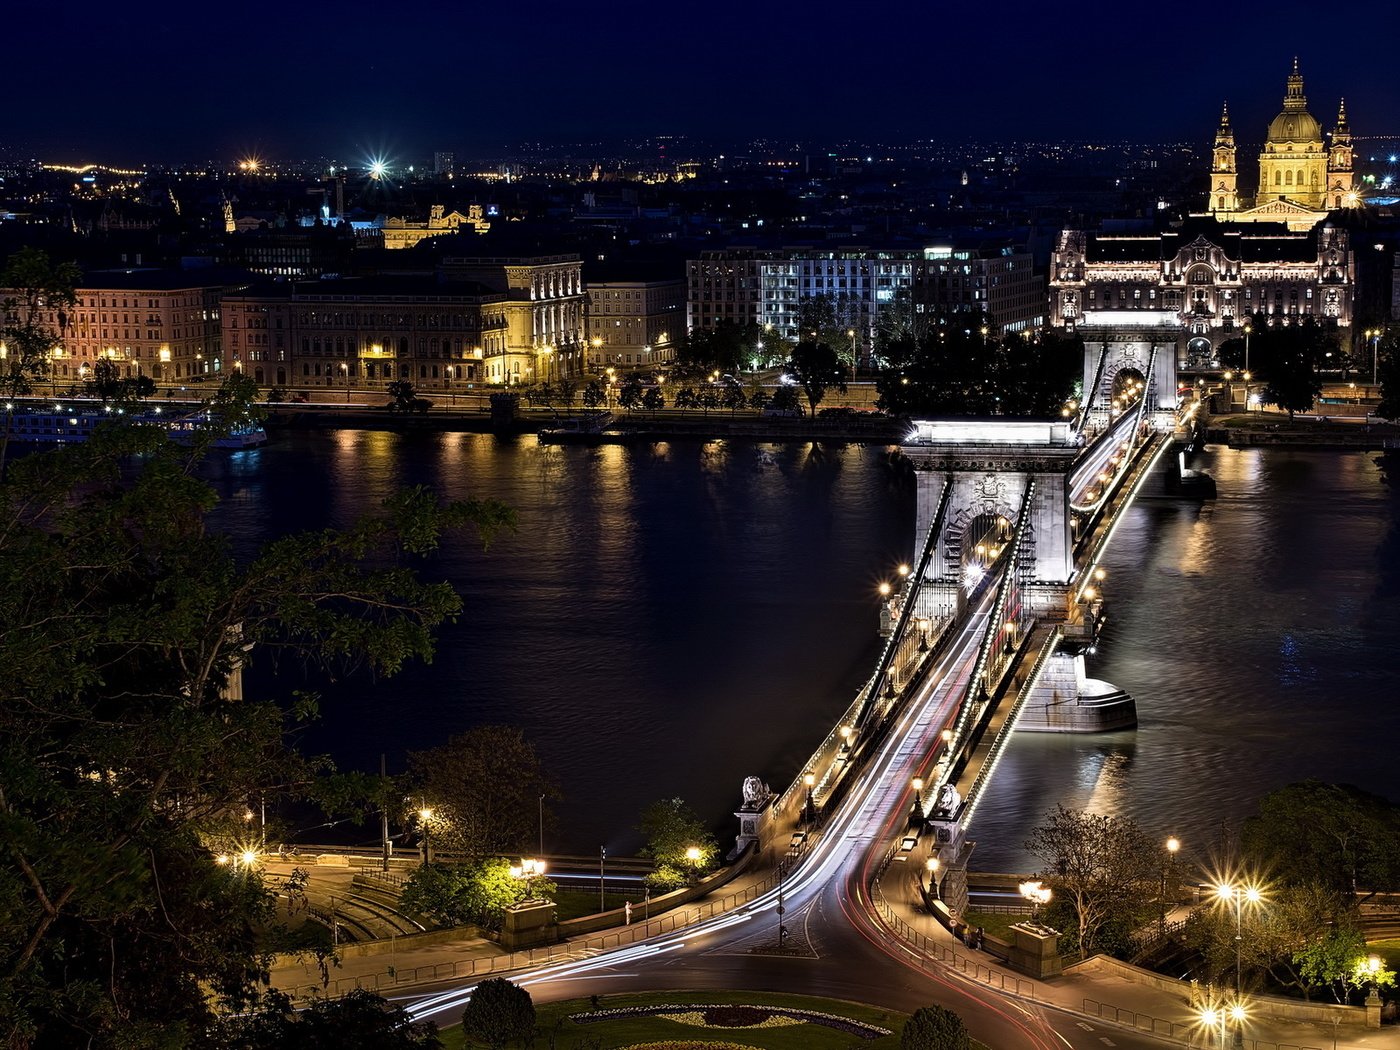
(816, 367)
(359, 1019)
(126, 761)
(934, 1028)
(498, 1013)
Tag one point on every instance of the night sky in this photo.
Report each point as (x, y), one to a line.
(89, 80)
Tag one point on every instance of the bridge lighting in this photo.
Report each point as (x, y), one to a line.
(1099, 574)
(248, 858)
(1090, 594)
(972, 576)
(885, 589)
(903, 570)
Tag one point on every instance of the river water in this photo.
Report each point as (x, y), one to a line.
(671, 618)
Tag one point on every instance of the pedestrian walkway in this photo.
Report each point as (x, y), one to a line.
(1105, 997)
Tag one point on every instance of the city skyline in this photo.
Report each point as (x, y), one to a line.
(253, 87)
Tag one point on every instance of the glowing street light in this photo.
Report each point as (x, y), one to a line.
(1038, 894)
(1239, 895)
(931, 866)
(528, 870)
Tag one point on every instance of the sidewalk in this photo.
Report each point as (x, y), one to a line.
(1107, 998)
(449, 956)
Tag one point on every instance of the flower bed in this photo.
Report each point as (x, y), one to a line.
(722, 1015)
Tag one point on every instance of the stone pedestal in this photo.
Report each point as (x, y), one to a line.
(754, 826)
(1035, 950)
(529, 924)
(1373, 1009)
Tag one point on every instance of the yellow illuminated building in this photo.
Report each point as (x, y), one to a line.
(1301, 177)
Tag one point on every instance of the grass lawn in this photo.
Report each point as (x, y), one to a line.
(574, 904)
(1389, 950)
(553, 1024)
(998, 926)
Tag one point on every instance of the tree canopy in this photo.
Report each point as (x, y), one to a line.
(498, 1012)
(672, 831)
(483, 788)
(126, 760)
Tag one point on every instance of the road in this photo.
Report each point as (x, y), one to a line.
(836, 947)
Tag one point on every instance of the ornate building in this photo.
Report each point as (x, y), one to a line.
(1301, 178)
(1196, 284)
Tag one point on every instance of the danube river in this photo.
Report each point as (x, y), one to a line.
(672, 618)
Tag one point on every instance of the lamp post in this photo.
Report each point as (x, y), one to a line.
(528, 870)
(602, 878)
(809, 781)
(918, 799)
(345, 374)
(931, 866)
(1238, 894)
(692, 856)
(1247, 330)
(1375, 334)
(1037, 894)
(1173, 844)
(424, 816)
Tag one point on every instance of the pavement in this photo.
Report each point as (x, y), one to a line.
(1106, 1008)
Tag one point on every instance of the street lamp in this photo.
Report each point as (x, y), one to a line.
(1238, 894)
(528, 870)
(1173, 844)
(692, 856)
(919, 795)
(1038, 894)
(345, 374)
(809, 780)
(931, 866)
(424, 816)
(1374, 334)
(1247, 330)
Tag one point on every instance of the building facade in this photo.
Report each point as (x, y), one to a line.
(766, 286)
(401, 233)
(1197, 284)
(164, 324)
(1301, 176)
(364, 333)
(545, 309)
(634, 324)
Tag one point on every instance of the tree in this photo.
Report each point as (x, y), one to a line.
(405, 398)
(727, 347)
(360, 1019)
(593, 394)
(672, 831)
(498, 1013)
(759, 399)
(1388, 373)
(653, 400)
(1352, 844)
(478, 893)
(685, 398)
(630, 395)
(1288, 359)
(934, 1028)
(1105, 866)
(816, 367)
(125, 765)
(483, 787)
(568, 390)
(39, 295)
(733, 397)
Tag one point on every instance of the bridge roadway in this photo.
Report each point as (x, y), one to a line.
(836, 946)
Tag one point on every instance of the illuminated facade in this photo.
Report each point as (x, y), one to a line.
(159, 323)
(400, 233)
(633, 324)
(544, 310)
(1301, 177)
(1197, 284)
(365, 333)
(766, 286)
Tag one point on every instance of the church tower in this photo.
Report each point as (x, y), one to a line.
(1293, 165)
(1341, 187)
(1224, 198)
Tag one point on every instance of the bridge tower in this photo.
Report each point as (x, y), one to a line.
(1115, 356)
(989, 464)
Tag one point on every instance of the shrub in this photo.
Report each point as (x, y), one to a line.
(934, 1028)
(498, 1013)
